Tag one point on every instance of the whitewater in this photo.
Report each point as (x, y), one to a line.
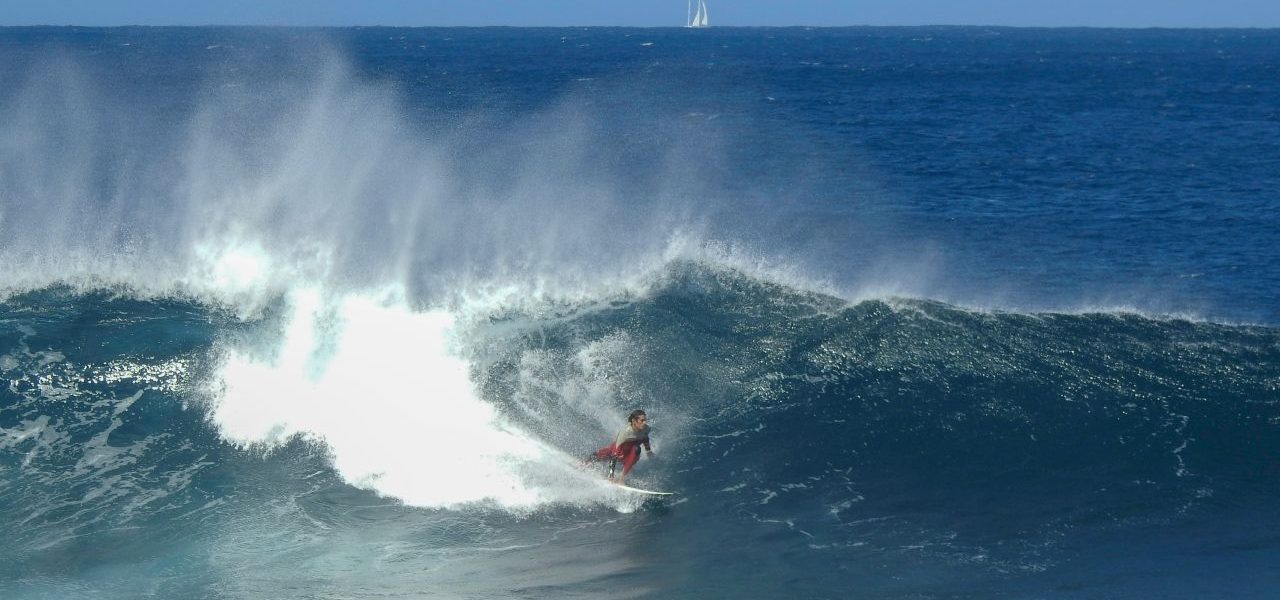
(915, 313)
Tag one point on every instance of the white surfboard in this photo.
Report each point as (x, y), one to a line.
(640, 491)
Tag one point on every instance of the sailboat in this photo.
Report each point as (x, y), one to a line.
(700, 18)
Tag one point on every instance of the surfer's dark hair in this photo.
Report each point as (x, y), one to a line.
(635, 413)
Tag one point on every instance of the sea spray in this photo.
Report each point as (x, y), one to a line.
(251, 182)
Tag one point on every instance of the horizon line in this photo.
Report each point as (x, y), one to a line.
(499, 26)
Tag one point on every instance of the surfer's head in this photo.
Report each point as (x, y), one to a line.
(637, 418)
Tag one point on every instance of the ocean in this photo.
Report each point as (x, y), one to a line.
(916, 313)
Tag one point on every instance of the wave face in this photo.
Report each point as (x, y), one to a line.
(339, 313)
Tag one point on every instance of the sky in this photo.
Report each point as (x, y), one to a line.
(646, 13)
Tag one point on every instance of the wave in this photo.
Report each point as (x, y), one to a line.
(784, 418)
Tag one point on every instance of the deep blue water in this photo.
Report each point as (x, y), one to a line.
(916, 312)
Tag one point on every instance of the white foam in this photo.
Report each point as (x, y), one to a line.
(381, 385)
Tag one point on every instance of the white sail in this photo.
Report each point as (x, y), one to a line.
(700, 18)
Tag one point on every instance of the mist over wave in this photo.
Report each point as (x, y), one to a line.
(255, 186)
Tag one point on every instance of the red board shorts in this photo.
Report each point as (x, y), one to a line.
(628, 453)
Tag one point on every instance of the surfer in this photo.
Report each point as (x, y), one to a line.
(626, 446)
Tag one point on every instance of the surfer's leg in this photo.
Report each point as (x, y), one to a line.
(603, 453)
(599, 455)
(629, 458)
